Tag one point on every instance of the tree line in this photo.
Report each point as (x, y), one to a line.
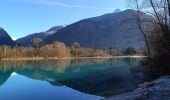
(55, 50)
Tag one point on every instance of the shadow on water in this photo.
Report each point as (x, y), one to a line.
(103, 77)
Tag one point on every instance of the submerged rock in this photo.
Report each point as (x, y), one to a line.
(156, 90)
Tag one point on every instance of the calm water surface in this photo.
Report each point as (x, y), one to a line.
(84, 79)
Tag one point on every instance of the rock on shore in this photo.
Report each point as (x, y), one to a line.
(156, 90)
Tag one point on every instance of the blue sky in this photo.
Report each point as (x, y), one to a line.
(22, 17)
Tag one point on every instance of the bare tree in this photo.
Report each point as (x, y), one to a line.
(158, 39)
(37, 43)
(76, 46)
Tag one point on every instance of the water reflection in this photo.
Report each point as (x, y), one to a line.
(94, 76)
(19, 87)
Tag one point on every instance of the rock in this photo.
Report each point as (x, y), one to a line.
(156, 90)
(143, 84)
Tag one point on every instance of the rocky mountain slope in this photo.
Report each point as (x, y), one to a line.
(113, 30)
(5, 39)
(110, 30)
(28, 40)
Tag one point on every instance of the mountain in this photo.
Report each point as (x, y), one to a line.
(5, 39)
(109, 30)
(28, 40)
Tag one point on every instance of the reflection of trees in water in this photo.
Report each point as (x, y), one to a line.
(41, 69)
(89, 73)
(134, 67)
(33, 69)
(54, 66)
(59, 66)
(80, 62)
(49, 69)
(125, 61)
(141, 72)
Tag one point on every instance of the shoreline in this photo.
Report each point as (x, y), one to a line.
(69, 58)
(154, 90)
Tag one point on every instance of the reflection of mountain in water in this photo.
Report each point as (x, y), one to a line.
(4, 76)
(92, 76)
(19, 87)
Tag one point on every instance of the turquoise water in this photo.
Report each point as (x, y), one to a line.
(74, 79)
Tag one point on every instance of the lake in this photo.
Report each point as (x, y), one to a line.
(81, 79)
